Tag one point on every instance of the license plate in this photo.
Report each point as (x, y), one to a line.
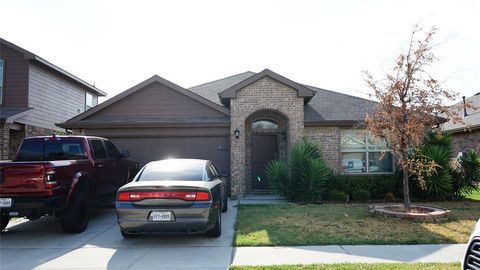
(5, 202)
(161, 216)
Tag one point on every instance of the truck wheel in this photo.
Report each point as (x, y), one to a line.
(4, 221)
(217, 230)
(74, 219)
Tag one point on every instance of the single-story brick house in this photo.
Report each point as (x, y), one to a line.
(239, 122)
(466, 136)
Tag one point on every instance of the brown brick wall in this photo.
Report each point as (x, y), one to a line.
(263, 95)
(12, 138)
(329, 139)
(5, 138)
(462, 142)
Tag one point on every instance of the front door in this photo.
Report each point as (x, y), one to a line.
(264, 149)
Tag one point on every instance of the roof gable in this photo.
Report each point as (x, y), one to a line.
(210, 90)
(38, 60)
(154, 86)
(302, 91)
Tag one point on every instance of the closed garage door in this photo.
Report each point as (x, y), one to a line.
(143, 150)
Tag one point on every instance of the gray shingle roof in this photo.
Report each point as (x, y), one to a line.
(211, 90)
(325, 105)
(11, 113)
(472, 120)
(328, 105)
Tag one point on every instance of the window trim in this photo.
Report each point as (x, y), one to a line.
(366, 153)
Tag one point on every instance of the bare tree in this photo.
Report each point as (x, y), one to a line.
(410, 101)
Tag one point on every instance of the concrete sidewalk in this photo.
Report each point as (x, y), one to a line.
(348, 254)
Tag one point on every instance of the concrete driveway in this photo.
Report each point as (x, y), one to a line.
(41, 244)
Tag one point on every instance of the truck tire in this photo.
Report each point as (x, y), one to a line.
(4, 219)
(217, 230)
(75, 218)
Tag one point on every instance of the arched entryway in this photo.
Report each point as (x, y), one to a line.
(265, 139)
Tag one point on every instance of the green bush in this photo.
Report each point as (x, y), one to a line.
(304, 178)
(466, 174)
(337, 196)
(376, 185)
(361, 195)
(277, 174)
(439, 183)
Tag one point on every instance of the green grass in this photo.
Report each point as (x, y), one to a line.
(347, 224)
(380, 266)
(474, 195)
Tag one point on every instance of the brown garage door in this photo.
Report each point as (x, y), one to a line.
(143, 150)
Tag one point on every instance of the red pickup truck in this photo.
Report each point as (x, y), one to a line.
(63, 176)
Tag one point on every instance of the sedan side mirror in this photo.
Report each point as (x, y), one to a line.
(125, 154)
(223, 174)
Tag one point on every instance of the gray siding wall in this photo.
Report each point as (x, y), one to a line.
(52, 98)
(15, 91)
(156, 100)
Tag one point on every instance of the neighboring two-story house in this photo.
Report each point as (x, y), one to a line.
(34, 95)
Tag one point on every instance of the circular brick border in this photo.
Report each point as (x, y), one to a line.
(436, 214)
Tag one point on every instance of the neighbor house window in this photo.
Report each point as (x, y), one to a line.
(2, 72)
(364, 153)
(90, 101)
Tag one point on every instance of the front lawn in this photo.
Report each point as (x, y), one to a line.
(474, 195)
(382, 266)
(347, 224)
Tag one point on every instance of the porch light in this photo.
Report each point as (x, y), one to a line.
(237, 133)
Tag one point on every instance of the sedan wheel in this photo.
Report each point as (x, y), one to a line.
(128, 235)
(217, 230)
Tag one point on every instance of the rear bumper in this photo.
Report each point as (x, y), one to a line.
(32, 206)
(197, 218)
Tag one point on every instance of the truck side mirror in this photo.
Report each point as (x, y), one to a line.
(125, 154)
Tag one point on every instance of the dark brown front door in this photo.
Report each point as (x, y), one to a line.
(264, 149)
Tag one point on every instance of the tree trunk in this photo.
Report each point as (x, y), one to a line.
(406, 191)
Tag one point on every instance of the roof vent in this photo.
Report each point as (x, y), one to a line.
(464, 107)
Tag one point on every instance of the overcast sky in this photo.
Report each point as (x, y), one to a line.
(327, 44)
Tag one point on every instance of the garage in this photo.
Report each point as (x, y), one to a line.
(144, 149)
(157, 119)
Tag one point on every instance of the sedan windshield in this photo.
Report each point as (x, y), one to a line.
(174, 170)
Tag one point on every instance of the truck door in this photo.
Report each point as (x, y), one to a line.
(120, 168)
(101, 167)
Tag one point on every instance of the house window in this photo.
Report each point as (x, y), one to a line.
(2, 72)
(90, 101)
(364, 153)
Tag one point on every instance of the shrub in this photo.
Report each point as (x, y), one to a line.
(439, 183)
(304, 178)
(361, 195)
(389, 197)
(376, 185)
(466, 173)
(338, 196)
(277, 174)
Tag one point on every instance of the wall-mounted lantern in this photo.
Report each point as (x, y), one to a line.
(237, 133)
(284, 135)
